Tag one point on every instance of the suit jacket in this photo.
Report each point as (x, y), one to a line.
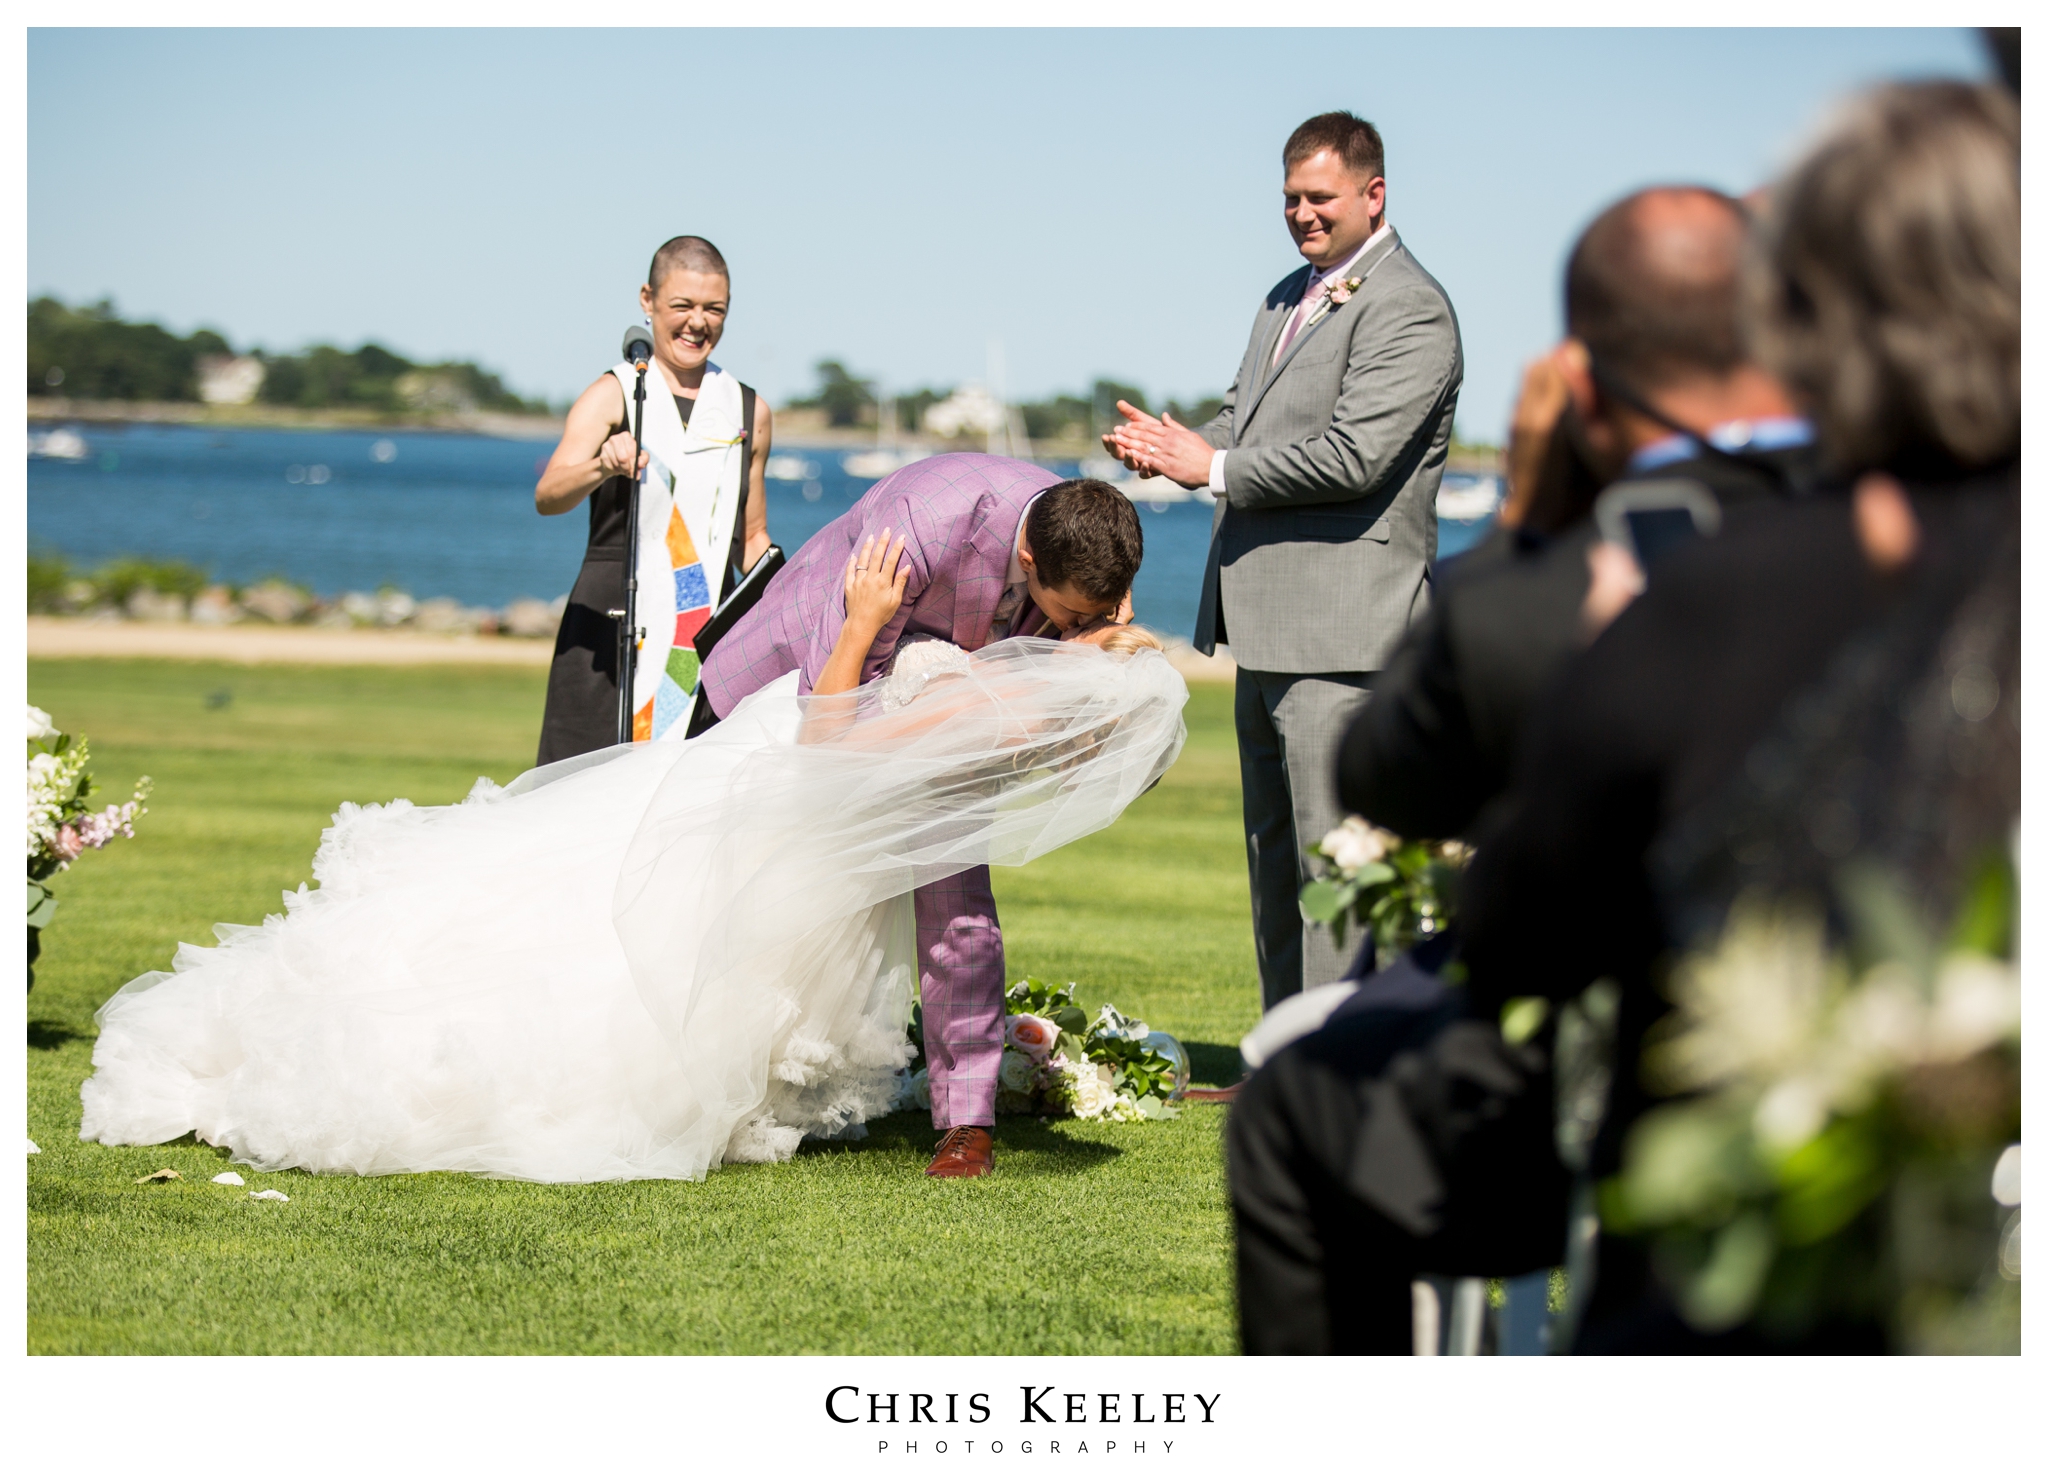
(960, 511)
(1320, 552)
(1437, 741)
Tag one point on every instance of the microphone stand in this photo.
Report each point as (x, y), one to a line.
(629, 630)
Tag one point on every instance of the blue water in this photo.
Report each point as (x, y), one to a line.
(436, 514)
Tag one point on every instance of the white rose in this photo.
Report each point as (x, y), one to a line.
(1355, 843)
(1015, 1074)
(1094, 1097)
(39, 726)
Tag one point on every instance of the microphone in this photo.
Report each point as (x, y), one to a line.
(637, 346)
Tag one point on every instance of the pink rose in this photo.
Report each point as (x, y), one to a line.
(1031, 1036)
(68, 844)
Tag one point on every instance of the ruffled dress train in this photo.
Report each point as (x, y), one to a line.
(639, 963)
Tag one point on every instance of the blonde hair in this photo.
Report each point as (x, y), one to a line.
(1125, 640)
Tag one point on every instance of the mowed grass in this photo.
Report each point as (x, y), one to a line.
(1105, 1239)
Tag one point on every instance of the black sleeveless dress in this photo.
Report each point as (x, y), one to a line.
(583, 683)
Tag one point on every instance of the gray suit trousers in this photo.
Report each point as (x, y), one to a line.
(1289, 726)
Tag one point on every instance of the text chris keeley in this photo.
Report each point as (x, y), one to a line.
(849, 1404)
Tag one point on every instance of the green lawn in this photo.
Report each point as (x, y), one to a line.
(1091, 1238)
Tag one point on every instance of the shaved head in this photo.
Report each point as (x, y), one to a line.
(685, 254)
(1651, 287)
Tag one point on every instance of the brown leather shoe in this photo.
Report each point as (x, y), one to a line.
(1226, 1094)
(964, 1151)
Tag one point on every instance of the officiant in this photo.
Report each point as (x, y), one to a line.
(703, 508)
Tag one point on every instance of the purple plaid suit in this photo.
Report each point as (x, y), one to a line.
(960, 513)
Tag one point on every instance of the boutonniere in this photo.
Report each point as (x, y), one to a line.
(1335, 294)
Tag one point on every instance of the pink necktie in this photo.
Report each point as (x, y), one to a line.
(1296, 319)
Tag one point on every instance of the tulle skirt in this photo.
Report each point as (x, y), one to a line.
(640, 963)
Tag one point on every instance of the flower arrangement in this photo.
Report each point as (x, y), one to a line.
(1401, 890)
(61, 822)
(1846, 1148)
(1056, 1063)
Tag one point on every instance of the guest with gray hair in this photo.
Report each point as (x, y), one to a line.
(1834, 682)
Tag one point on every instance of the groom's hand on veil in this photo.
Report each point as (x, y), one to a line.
(1154, 447)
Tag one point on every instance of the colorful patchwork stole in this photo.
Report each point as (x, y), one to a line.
(690, 495)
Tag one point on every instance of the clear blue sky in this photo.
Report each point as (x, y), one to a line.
(1098, 202)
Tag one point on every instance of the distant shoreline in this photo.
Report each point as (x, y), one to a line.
(290, 418)
(794, 427)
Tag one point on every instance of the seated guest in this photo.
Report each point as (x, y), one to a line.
(1781, 698)
(1398, 1122)
(1652, 382)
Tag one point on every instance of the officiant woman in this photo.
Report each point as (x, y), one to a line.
(686, 297)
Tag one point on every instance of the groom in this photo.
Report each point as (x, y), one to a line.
(996, 548)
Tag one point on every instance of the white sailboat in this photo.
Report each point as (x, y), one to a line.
(888, 454)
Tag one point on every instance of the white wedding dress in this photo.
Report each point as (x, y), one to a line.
(639, 963)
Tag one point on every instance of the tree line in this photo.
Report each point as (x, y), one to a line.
(92, 353)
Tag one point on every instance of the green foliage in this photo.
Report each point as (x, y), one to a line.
(1102, 399)
(91, 353)
(1406, 894)
(1062, 418)
(848, 1248)
(54, 585)
(1053, 1003)
(1142, 1072)
(375, 378)
(1195, 413)
(845, 400)
(912, 405)
(48, 574)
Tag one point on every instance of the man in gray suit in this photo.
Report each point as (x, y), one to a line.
(1325, 461)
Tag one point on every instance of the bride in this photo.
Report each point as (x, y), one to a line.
(647, 961)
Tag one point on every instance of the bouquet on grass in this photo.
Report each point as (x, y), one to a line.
(1848, 1151)
(1403, 891)
(1056, 1063)
(62, 824)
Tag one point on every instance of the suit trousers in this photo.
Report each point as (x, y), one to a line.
(960, 984)
(1401, 1139)
(1289, 729)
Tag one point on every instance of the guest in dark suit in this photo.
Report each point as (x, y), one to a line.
(1785, 697)
(1652, 383)
(1400, 1139)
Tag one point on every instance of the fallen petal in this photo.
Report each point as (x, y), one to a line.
(162, 1174)
(34, 1149)
(228, 1179)
(269, 1194)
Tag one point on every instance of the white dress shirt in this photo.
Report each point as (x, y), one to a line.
(1309, 297)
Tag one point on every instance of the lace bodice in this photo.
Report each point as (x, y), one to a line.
(916, 662)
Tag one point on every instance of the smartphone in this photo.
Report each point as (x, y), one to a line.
(1651, 517)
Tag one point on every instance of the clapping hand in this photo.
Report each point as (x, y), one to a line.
(875, 578)
(1151, 446)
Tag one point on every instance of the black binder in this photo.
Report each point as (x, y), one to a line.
(742, 600)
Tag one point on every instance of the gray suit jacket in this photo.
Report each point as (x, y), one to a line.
(1320, 553)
